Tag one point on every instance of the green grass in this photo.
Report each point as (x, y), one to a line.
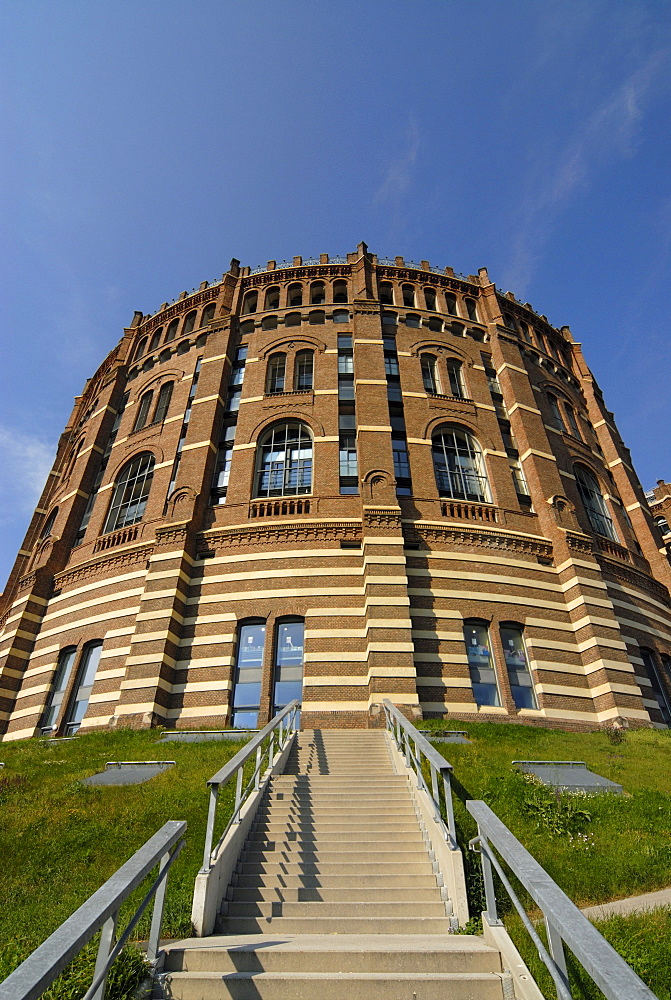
(597, 847)
(60, 839)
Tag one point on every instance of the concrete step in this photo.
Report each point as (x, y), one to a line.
(304, 894)
(334, 985)
(358, 880)
(320, 908)
(344, 953)
(334, 925)
(419, 865)
(321, 856)
(335, 831)
(283, 811)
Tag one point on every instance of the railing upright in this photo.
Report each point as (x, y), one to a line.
(282, 726)
(414, 746)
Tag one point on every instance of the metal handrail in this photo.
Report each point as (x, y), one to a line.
(101, 910)
(563, 920)
(285, 723)
(413, 746)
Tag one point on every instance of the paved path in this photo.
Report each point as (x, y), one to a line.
(633, 904)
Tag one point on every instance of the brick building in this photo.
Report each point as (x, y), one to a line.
(342, 479)
(659, 499)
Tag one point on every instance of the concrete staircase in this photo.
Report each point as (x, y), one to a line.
(336, 894)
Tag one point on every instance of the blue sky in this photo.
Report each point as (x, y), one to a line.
(143, 144)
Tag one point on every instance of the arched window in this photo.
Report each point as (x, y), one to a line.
(171, 332)
(140, 349)
(49, 523)
(277, 365)
(288, 666)
(430, 373)
(189, 322)
(657, 684)
(454, 369)
(340, 291)
(572, 422)
(295, 294)
(156, 339)
(412, 320)
(435, 324)
(389, 319)
(273, 298)
(143, 410)
(81, 693)
(246, 696)
(481, 662)
(303, 370)
(317, 293)
(341, 316)
(471, 309)
(208, 314)
(457, 460)
(557, 419)
(451, 303)
(509, 321)
(316, 317)
(269, 323)
(284, 461)
(292, 319)
(131, 492)
(247, 328)
(59, 684)
(163, 402)
(660, 521)
(594, 503)
(386, 293)
(408, 295)
(430, 298)
(524, 330)
(540, 339)
(517, 663)
(250, 302)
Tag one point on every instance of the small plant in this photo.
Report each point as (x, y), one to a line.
(616, 735)
(560, 813)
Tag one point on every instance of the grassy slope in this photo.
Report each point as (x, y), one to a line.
(60, 840)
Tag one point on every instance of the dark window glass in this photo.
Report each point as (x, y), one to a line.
(455, 377)
(155, 340)
(572, 422)
(273, 298)
(131, 492)
(346, 387)
(81, 694)
(141, 348)
(408, 295)
(412, 320)
(208, 314)
(481, 664)
(222, 471)
(292, 319)
(143, 410)
(340, 291)
(658, 689)
(288, 672)
(171, 332)
(59, 685)
(472, 310)
(401, 459)
(189, 322)
(317, 293)
(517, 663)
(386, 293)
(250, 302)
(284, 461)
(248, 676)
(49, 523)
(391, 364)
(163, 403)
(457, 461)
(594, 503)
(341, 316)
(556, 413)
(430, 373)
(430, 298)
(451, 304)
(348, 458)
(295, 295)
(317, 317)
(269, 323)
(662, 524)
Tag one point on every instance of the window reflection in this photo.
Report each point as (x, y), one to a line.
(248, 676)
(517, 663)
(288, 673)
(480, 664)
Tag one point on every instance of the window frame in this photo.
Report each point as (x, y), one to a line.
(276, 439)
(453, 483)
(142, 479)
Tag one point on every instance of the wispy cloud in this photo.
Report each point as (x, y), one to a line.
(611, 132)
(398, 176)
(25, 462)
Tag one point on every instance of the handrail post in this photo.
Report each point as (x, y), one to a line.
(257, 769)
(157, 913)
(104, 948)
(490, 895)
(418, 764)
(209, 829)
(449, 806)
(238, 793)
(556, 948)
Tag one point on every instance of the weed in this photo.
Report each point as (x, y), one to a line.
(558, 812)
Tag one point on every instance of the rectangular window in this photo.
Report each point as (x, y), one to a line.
(83, 687)
(481, 664)
(221, 473)
(517, 663)
(348, 458)
(429, 374)
(401, 459)
(346, 387)
(248, 676)
(657, 684)
(345, 364)
(233, 401)
(288, 672)
(58, 687)
(391, 364)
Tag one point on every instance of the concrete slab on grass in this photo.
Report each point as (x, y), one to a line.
(128, 772)
(569, 775)
(201, 737)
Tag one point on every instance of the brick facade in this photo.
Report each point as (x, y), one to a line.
(382, 558)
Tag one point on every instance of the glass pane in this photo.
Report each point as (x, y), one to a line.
(288, 664)
(483, 675)
(244, 719)
(517, 663)
(59, 684)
